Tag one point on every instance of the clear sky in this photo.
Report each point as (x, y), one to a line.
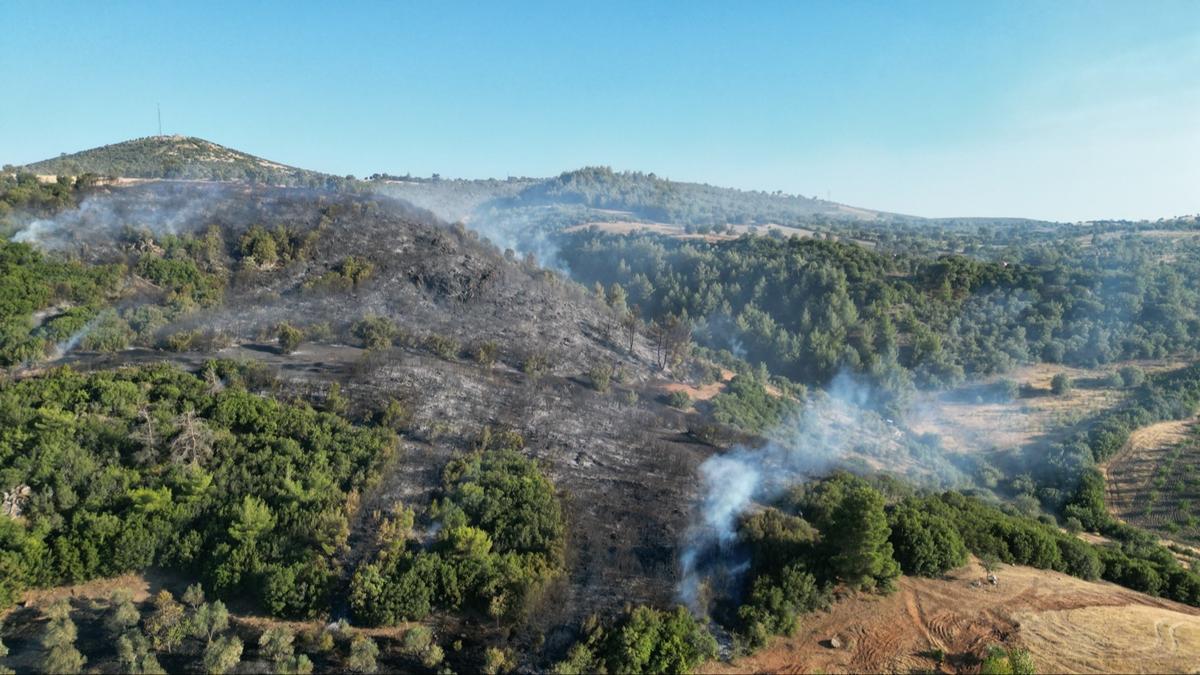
(1056, 109)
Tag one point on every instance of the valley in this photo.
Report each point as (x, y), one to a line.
(513, 425)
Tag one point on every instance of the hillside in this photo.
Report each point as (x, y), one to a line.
(1067, 624)
(327, 404)
(179, 158)
(406, 325)
(641, 195)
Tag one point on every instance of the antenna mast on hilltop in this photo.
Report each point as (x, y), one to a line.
(159, 118)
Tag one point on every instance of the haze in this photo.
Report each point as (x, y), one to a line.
(1066, 110)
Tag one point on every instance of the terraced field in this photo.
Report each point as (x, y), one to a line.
(1154, 482)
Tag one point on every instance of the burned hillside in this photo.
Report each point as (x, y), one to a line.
(468, 338)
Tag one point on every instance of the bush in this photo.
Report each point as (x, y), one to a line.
(1132, 376)
(444, 346)
(375, 332)
(1012, 661)
(644, 640)
(1061, 384)
(535, 366)
(289, 338)
(485, 353)
(679, 399)
(600, 376)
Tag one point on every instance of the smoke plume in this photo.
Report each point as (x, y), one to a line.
(829, 430)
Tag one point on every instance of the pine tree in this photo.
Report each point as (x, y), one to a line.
(858, 540)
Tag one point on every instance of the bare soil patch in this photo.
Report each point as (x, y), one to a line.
(967, 422)
(1067, 624)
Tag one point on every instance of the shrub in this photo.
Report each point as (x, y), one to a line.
(1061, 384)
(600, 376)
(1132, 376)
(535, 366)
(289, 338)
(679, 399)
(444, 346)
(485, 353)
(375, 332)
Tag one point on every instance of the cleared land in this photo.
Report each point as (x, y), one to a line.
(1067, 624)
(1154, 482)
(966, 421)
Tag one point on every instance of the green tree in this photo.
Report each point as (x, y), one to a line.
(277, 643)
(135, 655)
(363, 653)
(857, 539)
(222, 655)
(193, 596)
(122, 614)
(253, 519)
(497, 661)
(290, 337)
(925, 544)
(165, 626)
(1061, 384)
(208, 620)
(58, 642)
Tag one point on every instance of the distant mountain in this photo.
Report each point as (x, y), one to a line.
(512, 210)
(592, 191)
(181, 158)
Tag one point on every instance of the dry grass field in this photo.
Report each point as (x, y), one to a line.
(1067, 624)
(969, 424)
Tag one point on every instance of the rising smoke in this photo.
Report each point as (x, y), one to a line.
(831, 428)
(100, 218)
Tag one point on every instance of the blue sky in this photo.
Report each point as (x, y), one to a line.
(1064, 110)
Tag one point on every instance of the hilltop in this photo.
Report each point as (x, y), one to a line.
(637, 194)
(179, 158)
(520, 212)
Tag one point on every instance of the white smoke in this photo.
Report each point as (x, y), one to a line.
(818, 439)
(67, 346)
(519, 230)
(100, 217)
(721, 331)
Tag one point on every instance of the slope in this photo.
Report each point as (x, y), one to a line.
(1067, 624)
(621, 460)
(179, 157)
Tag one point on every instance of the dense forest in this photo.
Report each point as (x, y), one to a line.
(117, 471)
(809, 308)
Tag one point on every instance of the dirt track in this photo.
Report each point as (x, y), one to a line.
(1068, 625)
